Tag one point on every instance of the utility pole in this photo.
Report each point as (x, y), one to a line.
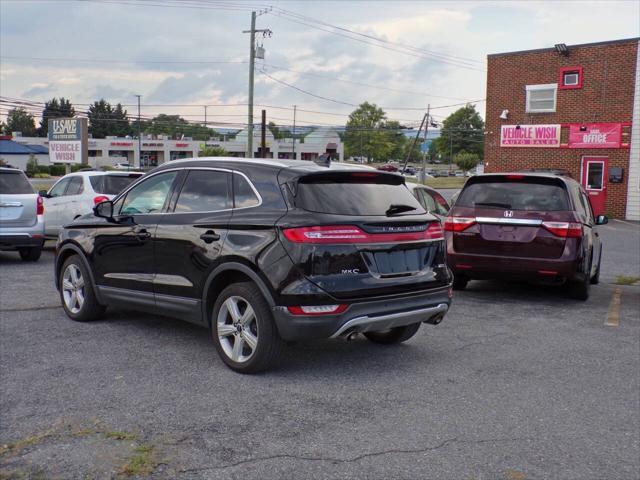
(139, 138)
(424, 118)
(264, 134)
(426, 130)
(205, 116)
(252, 61)
(294, 131)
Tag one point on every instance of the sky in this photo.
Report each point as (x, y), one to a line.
(325, 57)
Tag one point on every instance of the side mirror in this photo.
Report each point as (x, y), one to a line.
(104, 210)
(43, 193)
(602, 220)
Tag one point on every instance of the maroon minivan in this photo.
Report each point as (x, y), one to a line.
(528, 226)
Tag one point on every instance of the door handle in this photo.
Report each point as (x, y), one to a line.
(209, 236)
(142, 234)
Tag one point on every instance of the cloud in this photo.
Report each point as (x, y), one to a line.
(38, 89)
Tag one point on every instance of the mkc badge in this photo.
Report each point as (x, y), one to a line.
(508, 213)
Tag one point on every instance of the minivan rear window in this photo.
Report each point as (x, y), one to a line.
(14, 183)
(112, 184)
(540, 194)
(356, 193)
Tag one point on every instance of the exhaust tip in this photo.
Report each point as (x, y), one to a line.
(436, 319)
(351, 336)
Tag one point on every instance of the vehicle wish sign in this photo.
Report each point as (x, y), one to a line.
(530, 136)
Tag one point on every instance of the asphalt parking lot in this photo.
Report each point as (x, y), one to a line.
(517, 383)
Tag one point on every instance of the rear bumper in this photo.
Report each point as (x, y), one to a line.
(22, 237)
(491, 266)
(366, 316)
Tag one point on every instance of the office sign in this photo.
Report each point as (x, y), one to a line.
(530, 136)
(595, 135)
(68, 140)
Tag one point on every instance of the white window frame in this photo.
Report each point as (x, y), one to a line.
(545, 86)
(566, 74)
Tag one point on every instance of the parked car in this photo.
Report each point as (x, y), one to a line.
(430, 200)
(409, 170)
(261, 252)
(123, 166)
(440, 173)
(388, 168)
(76, 194)
(524, 226)
(21, 215)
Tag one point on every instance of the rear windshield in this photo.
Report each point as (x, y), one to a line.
(502, 193)
(14, 183)
(112, 184)
(361, 193)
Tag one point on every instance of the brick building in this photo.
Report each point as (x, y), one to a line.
(575, 108)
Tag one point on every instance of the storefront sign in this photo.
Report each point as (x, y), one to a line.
(153, 144)
(181, 145)
(68, 140)
(122, 144)
(530, 136)
(595, 135)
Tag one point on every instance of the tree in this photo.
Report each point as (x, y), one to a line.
(275, 131)
(462, 130)
(55, 108)
(105, 120)
(369, 134)
(210, 151)
(466, 161)
(174, 126)
(19, 120)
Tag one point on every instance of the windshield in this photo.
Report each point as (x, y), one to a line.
(361, 194)
(528, 194)
(112, 184)
(14, 183)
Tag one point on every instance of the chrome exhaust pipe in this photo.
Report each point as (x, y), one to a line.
(352, 336)
(435, 320)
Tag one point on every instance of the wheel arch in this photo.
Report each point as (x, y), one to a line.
(225, 275)
(66, 251)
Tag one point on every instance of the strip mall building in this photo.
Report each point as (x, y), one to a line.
(574, 108)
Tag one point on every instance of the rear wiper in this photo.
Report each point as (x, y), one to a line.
(398, 208)
(493, 204)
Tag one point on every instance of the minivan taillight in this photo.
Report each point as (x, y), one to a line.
(338, 234)
(458, 224)
(40, 206)
(100, 199)
(314, 310)
(564, 229)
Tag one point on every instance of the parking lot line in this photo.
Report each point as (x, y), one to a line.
(625, 222)
(613, 315)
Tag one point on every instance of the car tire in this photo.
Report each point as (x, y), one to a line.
(393, 335)
(246, 340)
(580, 290)
(31, 254)
(596, 277)
(460, 282)
(76, 292)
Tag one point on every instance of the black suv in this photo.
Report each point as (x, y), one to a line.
(261, 252)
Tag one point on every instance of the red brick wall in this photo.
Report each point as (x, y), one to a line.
(606, 96)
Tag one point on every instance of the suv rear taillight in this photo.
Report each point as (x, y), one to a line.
(336, 234)
(458, 224)
(100, 199)
(564, 229)
(313, 310)
(40, 206)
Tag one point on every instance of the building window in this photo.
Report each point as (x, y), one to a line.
(541, 98)
(570, 78)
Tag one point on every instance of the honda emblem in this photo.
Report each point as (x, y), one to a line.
(508, 213)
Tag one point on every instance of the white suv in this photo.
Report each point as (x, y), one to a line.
(77, 193)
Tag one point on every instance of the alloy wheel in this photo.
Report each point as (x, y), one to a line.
(73, 288)
(237, 329)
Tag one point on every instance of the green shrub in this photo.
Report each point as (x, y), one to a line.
(57, 170)
(43, 169)
(41, 175)
(32, 166)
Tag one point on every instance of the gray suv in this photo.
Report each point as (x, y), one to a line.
(21, 215)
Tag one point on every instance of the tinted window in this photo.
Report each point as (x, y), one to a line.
(59, 188)
(587, 205)
(533, 194)
(243, 194)
(355, 194)
(14, 183)
(204, 191)
(111, 184)
(148, 196)
(75, 186)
